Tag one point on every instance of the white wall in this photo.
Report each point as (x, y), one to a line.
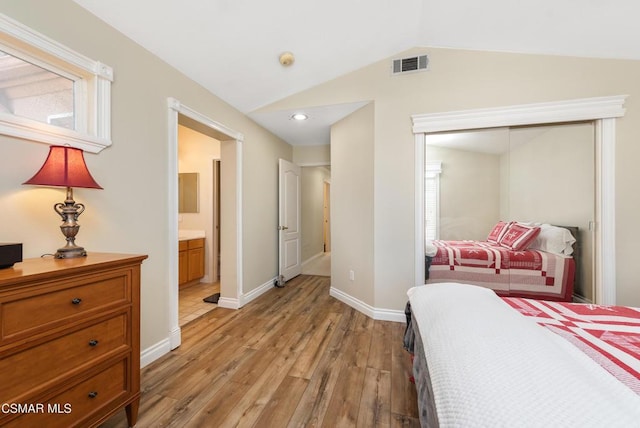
(469, 192)
(352, 213)
(312, 207)
(196, 153)
(552, 179)
(125, 216)
(551, 175)
(260, 208)
(461, 80)
(312, 155)
(130, 214)
(313, 177)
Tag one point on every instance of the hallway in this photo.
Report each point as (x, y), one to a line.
(320, 266)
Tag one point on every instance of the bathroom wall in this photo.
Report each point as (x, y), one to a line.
(196, 153)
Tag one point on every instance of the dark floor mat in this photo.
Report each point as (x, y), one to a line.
(213, 298)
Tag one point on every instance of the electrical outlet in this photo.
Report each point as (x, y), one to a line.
(352, 275)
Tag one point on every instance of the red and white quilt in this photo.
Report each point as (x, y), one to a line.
(490, 366)
(610, 335)
(526, 273)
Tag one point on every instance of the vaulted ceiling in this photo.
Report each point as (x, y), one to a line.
(232, 47)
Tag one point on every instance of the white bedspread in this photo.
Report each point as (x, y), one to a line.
(492, 367)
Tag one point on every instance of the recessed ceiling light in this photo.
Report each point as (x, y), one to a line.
(299, 116)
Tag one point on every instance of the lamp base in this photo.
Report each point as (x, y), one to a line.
(70, 252)
(69, 211)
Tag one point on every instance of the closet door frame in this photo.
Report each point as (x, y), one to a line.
(603, 111)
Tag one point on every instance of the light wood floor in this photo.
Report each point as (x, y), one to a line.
(293, 357)
(190, 303)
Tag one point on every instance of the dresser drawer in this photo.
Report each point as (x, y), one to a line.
(77, 405)
(27, 312)
(34, 367)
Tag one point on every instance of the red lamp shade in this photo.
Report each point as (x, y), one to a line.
(64, 167)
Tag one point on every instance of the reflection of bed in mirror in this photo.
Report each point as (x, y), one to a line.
(537, 173)
(517, 259)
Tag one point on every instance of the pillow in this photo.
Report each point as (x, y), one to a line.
(498, 232)
(518, 236)
(554, 239)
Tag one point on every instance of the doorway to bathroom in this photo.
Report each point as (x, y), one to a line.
(198, 221)
(230, 209)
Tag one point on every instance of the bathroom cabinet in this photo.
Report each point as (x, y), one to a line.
(190, 261)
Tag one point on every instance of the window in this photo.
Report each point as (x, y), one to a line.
(51, 94)
(33, 92)
(432, 200)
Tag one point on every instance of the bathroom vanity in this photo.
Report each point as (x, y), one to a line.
(190, 258)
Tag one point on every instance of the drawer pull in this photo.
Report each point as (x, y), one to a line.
(76, 301)
(93, 394)
(93, 342)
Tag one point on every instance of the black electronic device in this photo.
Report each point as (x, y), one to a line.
(10, 253)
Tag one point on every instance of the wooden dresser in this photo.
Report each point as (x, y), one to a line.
(70, 340)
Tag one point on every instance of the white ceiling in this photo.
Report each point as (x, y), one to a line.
(231, 47)
(492, 141)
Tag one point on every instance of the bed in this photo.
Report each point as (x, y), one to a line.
(517, 259)
(481, 360)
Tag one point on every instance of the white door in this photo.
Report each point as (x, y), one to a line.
(289, 218)
(326, 217)
(215, 258)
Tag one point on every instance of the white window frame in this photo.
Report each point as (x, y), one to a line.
(432, 172)
(92, 90)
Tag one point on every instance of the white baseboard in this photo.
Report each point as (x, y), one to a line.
(175, 338)
(228, 303)
(256, 292)
(154, 352)
(312, 258)
(375, 313)
(232, 303)
(390, 315)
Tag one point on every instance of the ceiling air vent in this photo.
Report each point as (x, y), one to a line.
(410, 64)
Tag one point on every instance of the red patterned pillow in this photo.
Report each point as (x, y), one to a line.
(498, 232)
(519, 236)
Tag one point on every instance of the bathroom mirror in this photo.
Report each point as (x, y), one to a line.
(188, 192)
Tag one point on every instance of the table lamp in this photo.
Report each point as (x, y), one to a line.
(65, 167)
